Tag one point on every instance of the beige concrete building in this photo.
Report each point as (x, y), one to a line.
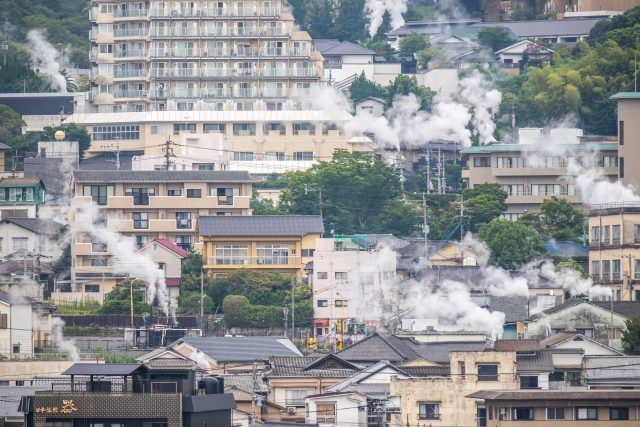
(628, 135)
(530, 172)
(442, 400)
(147, 205)
(187, 56)
(614, 248)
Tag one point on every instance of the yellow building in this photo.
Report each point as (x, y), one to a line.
(267, 243)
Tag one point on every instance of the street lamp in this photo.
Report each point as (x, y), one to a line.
(5, 50)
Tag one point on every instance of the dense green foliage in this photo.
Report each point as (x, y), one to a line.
(362, 88)
(413, 43)
(557, 219)
(118, 301)
(512, 244)
(370, 203)
(495, 38)
(631, 336)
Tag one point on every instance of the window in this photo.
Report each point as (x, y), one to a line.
(488, 373)
(586, 413)
(243, 156)
(571, 190)
(606, 270)
(514, 189)
(3, 321)
(341, 275)
(159, 130)
(244, 129)
(429, 411)
(183, 220)
(307, 127)
(529, 382)
(206, 167)
(20, 243)
(615, 234)
(180, 127)
(303, 155)
(322, 274)
(621, 134)
(522, 413)
(274, 106)
(214, 127)
(587, 332)
(619, 414)
(99, 193)
(323, 303)
(97, 245)
(595, 236)
(621, 168)
(273, 254)
(92, 288)
(140, 220)
(105, 69)
(100, 221)
(44, 319)
(158, 387)
(606, 236)
(140, 195)
(184, 242)
(16, 350)
(98, 262)
(610, 161)
(19, 383)
(482, 162)
(231, 254)
(224, 214)
(225, 195)
(109, 133)
(274, 156)
(616, 269)
(194, 194)
(174, 193)
(308, 253)
(546, 189)
(341, 303)
(104, 89)
(296, 397)
(510, 162)
(326, 413)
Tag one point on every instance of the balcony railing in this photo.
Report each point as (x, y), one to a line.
(615, 276)
(160, 93)
(159, 32)
(185, 32)
(301, 92)
(215, 72)
(595, 277)
(93, 35)
(186, 51)
(244, 93)
(185, 246)
(161, 73)
(275, 32)
(185, 93)
(216, 52)
(130, 53)
(93, 14)
(119, 74)
(183, 224)
(215, 93)
(615, 241)
(185, 73)
(274, 72)
(295, 402)
(99, 247)
(254, 260)
(274, 92)
(304, 72)
(135, 32)
(160, 52)
(214, 12)
(130, 94)
(245, 53)
(244, 72)
(130, 13)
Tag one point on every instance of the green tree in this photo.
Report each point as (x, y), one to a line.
(512, 244)
(484, 203)
(495, 38)
(193, 264)
(572, 264)
(262, 206)
(362, 88)
(557, 219)
(433, 54)
(235, 309)
(369, 203)
(350, 23)
(412, 43)
(10, 124)
(118, 301)
(72, 132)
(320, 19)
(404, 85)
(631, 336)
(189, 303)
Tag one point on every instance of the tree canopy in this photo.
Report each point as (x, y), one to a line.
(412, 43)
(512, 244)
(631, 336)
(118, 301)
(557, 219)
(495, 38)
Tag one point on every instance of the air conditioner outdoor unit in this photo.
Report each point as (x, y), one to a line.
(291, 410)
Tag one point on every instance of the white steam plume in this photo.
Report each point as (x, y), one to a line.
(595, 187)
(47, 58)
(61, 343)
(568, 278)
(200, 359)
(375, 10)
(478, 249)
(484, 101)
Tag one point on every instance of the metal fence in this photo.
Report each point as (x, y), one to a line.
(124, 321)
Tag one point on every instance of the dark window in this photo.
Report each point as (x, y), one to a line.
(225, 196)
(98, 262)
(140, 220)
(523, 413)
(3, 321)
(140, 195)
(528, 382)
(99, 193)
(621, 133)
(323, 303)
(244, 129)
(482, 162)
(308, 252)
(174, 193)
(322, 274)
(429, 411)
(19, 383)
(194, 194)
(179, 127)
(488, 373)
(586, 413)
(92, 288)
(555, 413)
(304, 156)
(214, 128)
(100, 221)
(619, 414)
(208, 167)
(184, 242)
(297, 127)
(157, 387)
(97, 245)
(16, 350)
(183, 220)
(621, 170)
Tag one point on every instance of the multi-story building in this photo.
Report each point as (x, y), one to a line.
(628, 133)
(199, 55)
(20, 197)
(147, 205)
(614, 248)
(531, 172)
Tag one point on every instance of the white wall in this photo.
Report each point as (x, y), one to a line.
(347, 413)
(36, 243)
(21, 328)
(443, 81)
(370, 106)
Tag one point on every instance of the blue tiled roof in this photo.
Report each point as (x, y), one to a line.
(555, 247)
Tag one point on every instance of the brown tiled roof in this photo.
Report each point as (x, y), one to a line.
(296, 367)
(516, 345)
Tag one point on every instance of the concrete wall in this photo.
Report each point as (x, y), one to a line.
(371, 106)
(628, 111)
(443, 81)
(35, 243)
(347, 412)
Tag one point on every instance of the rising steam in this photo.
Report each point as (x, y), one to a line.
(61, 343)
(375, 10)
(47, 58)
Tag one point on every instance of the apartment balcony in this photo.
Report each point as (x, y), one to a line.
(93, 14)
(118, 94)
(185, 73)
(299, 52)
(93, 35)
(243, 73)
(91, 96)
(215, 93)
(558, 168)
(274, 51)
(160, 94)
(185, 93)
(300, 92)
(185, 52)
(275, 32)
(90, 249)
(527, 197)
(130, 53)
(272, 92)
(215, 72)
(160, 53)
(92, 75)
(136, 32)
(256, 261)
(151, 226)
(244, 32)
(270, 11)
(130, 13)
(245, 53)
(168, 202)
(215, 12)
(244, 93)
(304, 73)
(274, 72)
(128, 74)
(244, 11)
(160, 32)
(216, 52)
(185, 32)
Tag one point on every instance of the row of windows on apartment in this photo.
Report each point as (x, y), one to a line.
(207, 106)
(540, 190)
(99, 246)
(182, 5)
(205, 69)
(22, 243)
(610, 235)
(100, 194)
(17, 194)
(336, 303)
(432, 411)
(236, 254)
(545, 162)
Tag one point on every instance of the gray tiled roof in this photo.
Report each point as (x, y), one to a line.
(624, 308)
(106, 161)
(541, 361)
(10, 399)
(161, 176)
(426, 371)
(236, 349)
(295, 367)
(559, 27)
(17, 267)
(515, 307)
(47, 227)
(379, 346)
(438, 352)
(609, 368)
(344, 48)
(562, 394)
(260, 225)
(244, 382)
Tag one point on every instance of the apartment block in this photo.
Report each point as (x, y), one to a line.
(198, 55)
(614, 248)
(147, 205)
(628, 135)
(531, 171)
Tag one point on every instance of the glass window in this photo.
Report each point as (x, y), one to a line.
(297, 127)
(159, 130)
(243, 156)
(92, 288)
(429, 411)
(183, 220)
(225, 195)
(529, 382)
(619, 414)
(487, 372)
(140, 195)
(174, 193)
(161, 387)
(273, 254)
(214, 127)
(323, 303)
(20, 243)
(308, 253)
(98, 262)
(296, 397)
(606, 270)
(303, 155)
(586, 413)
(244, 129)
(109, 133)
(274, 156)
(232, 254)
(616, 269)
(482, 162)
(140, 220)
(180, 127)
(342, 275)
(184, 242)
(194, 194)
(615, 234)
(100, 221)
(586, 332)
(322, 274)
(275, 127)
(523, 413)
(99, 193)
(97, 245)
(326, 413)
(342, 303)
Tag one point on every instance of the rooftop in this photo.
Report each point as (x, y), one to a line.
(542, 395)
(106, 161)
(546, 28)
(236, 349)
(491, 148)
(161, 176)
(47, 227)
(107, 369)
(565, 248)
(169, 245)
(625, 95)
(260, 225)
(328, 47)
(307, 366)
(612, 367)
(614, 208)
(20, 182)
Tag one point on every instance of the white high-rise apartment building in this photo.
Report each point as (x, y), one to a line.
(199, 56)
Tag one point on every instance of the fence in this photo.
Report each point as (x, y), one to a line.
(124, 320)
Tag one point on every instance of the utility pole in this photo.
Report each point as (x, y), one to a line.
(425, 228)
(5, 43)
(14, 164)
(168, 153)
(293, 308)
(428, 170)
(201, 296)
(461, 217)
(285, 311)
(513, 118)
(254, 377)
(118, 154)
(133, 325)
